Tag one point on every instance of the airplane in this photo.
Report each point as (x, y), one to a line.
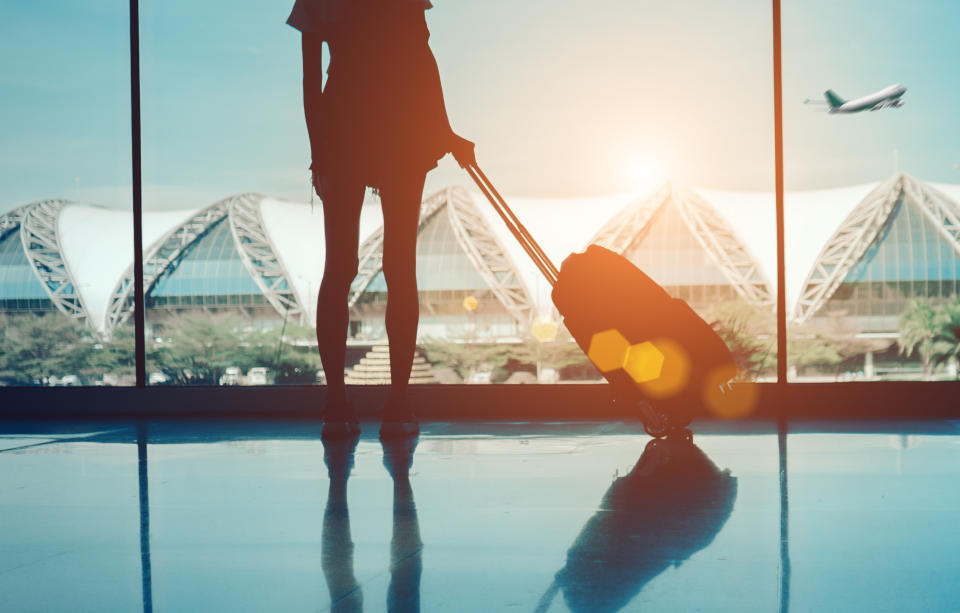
(887, 97)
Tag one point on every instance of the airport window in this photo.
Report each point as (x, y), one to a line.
(882, 186)
(65, 211)
(233, 237)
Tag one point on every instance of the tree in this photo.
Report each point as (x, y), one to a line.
(946, 322)
(36, 347)
(291, 353)
(558, 353)
(197, 349)
(750, 334)
(467, 358)
(918, 332)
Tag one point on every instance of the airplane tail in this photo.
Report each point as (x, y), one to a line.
(833, 99)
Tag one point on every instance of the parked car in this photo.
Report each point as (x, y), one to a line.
(230, 376)
(257, 376)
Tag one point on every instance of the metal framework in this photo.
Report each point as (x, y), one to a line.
(861, 229)
(477, 240)
(488, 256)
(717, 238)
(724, 246)
(41, 245)
(252, 242)
(631, 223)
(161, 259)
(259, 256)
(370, 253)
(11, 220)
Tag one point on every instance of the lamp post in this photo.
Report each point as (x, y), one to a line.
(543, 329)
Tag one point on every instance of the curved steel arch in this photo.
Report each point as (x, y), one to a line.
(861, 229)
(242, 212)
(488, 256)
(41, 244)
(476, 238)
(631, 223)
(370, 253)
(162, 257)
(724, 246)
(11, 220)
(846, 246)
(711, 231)
(259, 256)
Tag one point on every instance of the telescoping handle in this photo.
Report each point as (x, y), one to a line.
(516, 228)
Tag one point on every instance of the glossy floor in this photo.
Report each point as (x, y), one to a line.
(189, 516)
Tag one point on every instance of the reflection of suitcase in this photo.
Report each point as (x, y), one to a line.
(652, 348)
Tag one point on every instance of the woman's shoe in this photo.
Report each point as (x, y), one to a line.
(399, 421)
(340, 421)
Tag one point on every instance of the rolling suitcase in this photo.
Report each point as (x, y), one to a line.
(658, 354)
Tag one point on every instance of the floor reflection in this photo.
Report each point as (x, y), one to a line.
(672, 504)
(406, 565)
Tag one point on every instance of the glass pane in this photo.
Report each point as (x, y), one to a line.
(72, 518)
(856, 497)
(363, 524)
(609, 141)
(872, 192)
(65, 216)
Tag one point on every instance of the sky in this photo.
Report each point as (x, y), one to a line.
(563, 98)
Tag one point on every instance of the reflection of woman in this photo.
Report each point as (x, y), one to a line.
(671, 505)
(406, 548)
(379, 122)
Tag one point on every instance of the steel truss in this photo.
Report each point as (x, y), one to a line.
(488, 256)
(41, 244)
(630, 227)
(478, 241)
(862, 228)
(250, 238)
(259, 256)
(631, 223)
(11, 220)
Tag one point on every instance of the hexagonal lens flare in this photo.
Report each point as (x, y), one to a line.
(644, 362)
(608, 350)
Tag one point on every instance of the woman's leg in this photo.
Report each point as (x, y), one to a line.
(401, 216)
(341, 225)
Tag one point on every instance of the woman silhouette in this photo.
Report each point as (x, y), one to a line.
(379, 122)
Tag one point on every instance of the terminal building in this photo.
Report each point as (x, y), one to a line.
(856, 256)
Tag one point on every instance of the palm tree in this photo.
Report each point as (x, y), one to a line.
(946, 344)
(919, 331)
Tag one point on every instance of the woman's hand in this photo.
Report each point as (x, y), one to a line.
(462, 150)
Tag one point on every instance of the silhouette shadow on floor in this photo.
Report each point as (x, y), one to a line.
(671, 505)
(406, 547)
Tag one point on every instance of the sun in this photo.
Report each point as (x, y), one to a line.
(642, 171)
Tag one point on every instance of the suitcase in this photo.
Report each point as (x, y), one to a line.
(657, 353)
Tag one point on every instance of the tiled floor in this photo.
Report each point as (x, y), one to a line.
(260, 516)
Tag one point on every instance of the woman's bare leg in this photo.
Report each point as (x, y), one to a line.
(341, 225)
(401, 216)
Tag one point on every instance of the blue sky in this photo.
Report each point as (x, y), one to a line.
(563, 98)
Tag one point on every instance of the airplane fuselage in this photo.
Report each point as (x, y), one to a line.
(889, 96)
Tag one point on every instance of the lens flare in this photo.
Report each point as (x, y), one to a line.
(644, 362)
(675, 373)
(729, 400)
(544, 330)
(608, 350)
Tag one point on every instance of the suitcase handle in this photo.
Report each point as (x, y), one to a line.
(527, 242)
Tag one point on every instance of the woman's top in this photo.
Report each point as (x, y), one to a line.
(381, 115)
(318, 15)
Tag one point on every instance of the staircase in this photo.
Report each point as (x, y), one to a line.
(374, 369)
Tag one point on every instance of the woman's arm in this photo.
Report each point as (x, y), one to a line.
(312, 44)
